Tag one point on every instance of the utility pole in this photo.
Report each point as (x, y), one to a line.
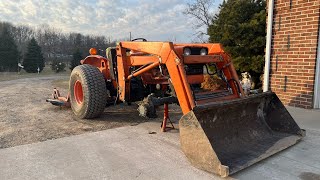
(130, 36)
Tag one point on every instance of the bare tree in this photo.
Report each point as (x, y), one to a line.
(22, 35)
(202, 11)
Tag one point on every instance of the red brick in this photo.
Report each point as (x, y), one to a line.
(298, 62)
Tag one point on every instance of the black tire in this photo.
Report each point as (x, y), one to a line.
(94, 91)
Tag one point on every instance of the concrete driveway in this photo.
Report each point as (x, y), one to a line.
(136, 152)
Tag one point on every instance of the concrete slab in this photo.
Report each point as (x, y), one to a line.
(306, 118)
(122, 153)
(135, 153)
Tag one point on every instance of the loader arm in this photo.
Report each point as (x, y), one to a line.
(162, 53)
(165, 53)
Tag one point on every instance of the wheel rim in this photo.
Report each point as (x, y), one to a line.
(78, 93)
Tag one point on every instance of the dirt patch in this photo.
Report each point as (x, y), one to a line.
(61, 83)
(26, 118)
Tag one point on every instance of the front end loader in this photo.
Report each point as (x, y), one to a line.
(221, 131)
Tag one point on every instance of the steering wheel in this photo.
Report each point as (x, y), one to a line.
(143, 39)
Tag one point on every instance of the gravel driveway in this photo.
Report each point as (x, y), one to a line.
(26, 118)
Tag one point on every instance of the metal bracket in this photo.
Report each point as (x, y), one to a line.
(285, 83)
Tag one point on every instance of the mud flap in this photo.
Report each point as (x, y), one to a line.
(226, 137)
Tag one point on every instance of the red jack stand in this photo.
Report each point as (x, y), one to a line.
(166, 118)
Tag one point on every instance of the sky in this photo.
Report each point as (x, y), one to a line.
(155, 20)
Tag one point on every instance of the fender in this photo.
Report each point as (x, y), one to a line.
(100, 62)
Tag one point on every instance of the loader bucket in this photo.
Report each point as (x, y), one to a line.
(226, 137)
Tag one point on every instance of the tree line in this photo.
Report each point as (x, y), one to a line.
(55, 46)
(239, 25)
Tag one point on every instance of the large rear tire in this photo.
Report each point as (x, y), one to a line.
(88, 92)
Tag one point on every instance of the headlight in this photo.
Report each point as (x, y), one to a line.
(203, 52)
(186, 51)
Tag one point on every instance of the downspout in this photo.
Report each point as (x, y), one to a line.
(316, 97)
(268, 47)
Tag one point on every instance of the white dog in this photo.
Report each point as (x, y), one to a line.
(246, 83)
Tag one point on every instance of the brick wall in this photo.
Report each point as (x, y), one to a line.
(294, 49)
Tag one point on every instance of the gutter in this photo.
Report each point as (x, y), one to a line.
(268, 47)
(316, 97)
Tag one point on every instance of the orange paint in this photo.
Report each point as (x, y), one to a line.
(78, 93)
(149, 56)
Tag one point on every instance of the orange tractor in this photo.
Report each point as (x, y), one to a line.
(221, 131)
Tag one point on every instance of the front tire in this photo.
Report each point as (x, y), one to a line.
(88, 92)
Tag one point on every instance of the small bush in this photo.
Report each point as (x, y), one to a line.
(58, 66)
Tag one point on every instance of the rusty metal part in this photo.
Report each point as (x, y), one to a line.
(232, 135)
(59, 100)
(194, 59)
(147, 108)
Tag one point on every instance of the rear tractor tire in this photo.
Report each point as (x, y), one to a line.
(88, 92)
